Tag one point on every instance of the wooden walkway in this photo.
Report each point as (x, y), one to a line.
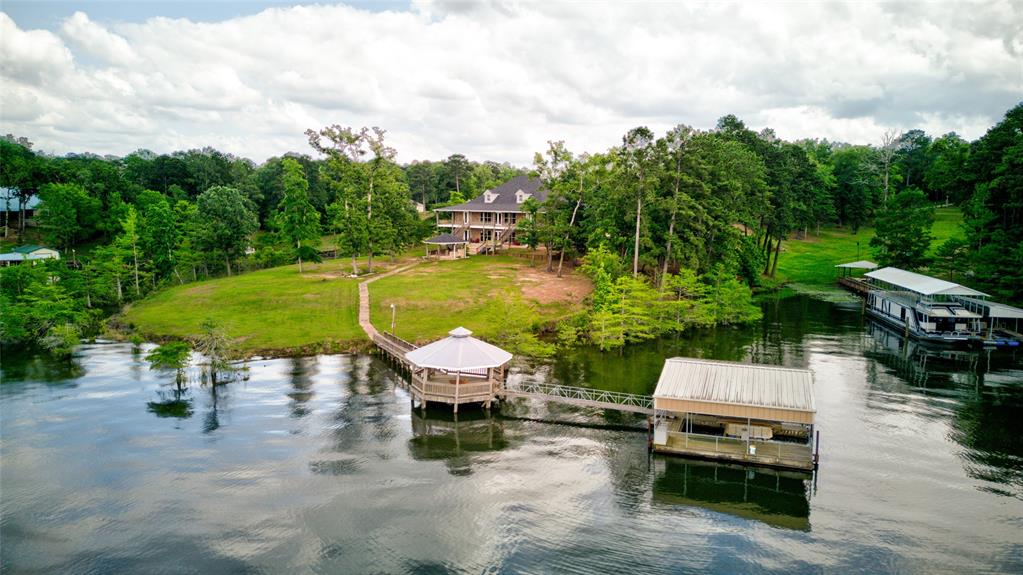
(854, 284)
(364, 322)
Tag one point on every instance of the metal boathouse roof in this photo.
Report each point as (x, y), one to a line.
(921, 284)
(725, 388)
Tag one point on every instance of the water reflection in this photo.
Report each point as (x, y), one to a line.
(39, 367)
(172, 403)
(300, 374)
(987, 388)
(777, 498)
(455, 439)
(319, 465)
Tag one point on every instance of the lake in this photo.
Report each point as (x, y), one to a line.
(318, 465)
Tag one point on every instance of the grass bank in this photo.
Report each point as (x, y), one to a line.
(811, 262)
(483, 293)
(274, 311)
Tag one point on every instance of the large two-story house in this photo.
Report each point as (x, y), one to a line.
(491, 218)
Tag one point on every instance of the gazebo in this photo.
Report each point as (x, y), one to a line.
(448, 246)
(457, 369)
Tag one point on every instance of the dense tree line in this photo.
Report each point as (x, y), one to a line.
(126, 226)
(687, 220)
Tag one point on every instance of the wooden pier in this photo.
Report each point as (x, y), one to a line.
(855, 285)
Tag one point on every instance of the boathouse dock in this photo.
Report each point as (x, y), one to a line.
(760, 414)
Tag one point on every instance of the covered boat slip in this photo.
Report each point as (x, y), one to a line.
(924, 306)
(737, 412)
(997, 316)
(850, 278)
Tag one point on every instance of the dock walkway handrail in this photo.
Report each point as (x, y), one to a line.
(611, 399)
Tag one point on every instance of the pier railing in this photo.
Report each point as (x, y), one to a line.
(582, 396)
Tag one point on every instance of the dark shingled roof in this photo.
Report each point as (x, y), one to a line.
(444, 239)
(505, 200)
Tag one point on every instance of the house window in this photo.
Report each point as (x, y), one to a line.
(521, 196)
(489, 197)
(487, 217)
(465, 217)
(513, 218)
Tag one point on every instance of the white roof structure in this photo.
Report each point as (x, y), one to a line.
(459, 352)
(859, 265)
(999, 310)
(736, 389)
(921, 284)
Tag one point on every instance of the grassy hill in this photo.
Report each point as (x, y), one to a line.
(812, 261)
(275, 311)
(281, 312)
(485, 294)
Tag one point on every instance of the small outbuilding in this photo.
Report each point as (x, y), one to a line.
(759, 414)
(28, 253)
(448, 246)
(457, 369)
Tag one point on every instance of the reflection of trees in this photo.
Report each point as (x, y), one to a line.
(778, 498)
(218, 396)
(368, 405)
(172, 403)
(303, 369)
(21, 365)
(989, 400)
(455, 439)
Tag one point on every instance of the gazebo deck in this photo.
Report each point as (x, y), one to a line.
(442, 387)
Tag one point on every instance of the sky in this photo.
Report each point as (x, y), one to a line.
(495, 80)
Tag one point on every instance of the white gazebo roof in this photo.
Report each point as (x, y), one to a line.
(458, 351)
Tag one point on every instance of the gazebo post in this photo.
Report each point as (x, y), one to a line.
(458, 376)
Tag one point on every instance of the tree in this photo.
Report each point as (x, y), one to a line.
(527, 230)
(216, 348)
(947, 175)
(993, 217)
(21, 170)
(343, 144)
(675, 142)
(129, 239)
(455, 168)
(639, 156)
(224, 222)
(891, 142)
(298, 220)
(160, 236)
(67, 213)
(903, 230)
(171, 356)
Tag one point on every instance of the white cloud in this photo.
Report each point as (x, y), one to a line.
(98, 41)
(497, 80)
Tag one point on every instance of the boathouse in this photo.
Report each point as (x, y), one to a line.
(456, 370)
(755, 414)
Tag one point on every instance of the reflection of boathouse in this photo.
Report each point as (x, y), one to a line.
(757, 414)
(775, 497)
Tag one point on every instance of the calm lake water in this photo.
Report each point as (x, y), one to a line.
(318, 465)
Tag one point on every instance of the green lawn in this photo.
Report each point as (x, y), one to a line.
(480, 293)
(812, 261)
(274, 310)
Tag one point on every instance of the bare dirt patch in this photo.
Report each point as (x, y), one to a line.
(544, 287)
